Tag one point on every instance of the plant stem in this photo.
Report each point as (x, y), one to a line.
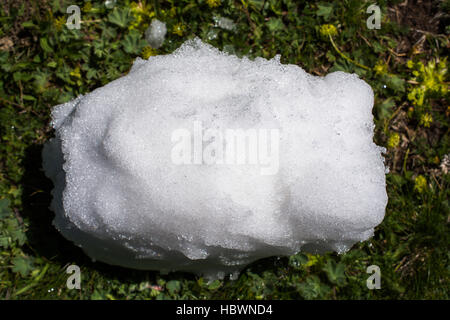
(345, 57)
(157, 10)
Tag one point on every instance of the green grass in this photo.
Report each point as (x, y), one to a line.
(42, 64)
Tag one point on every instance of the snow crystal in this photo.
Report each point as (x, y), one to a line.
(224, 23)
(130, 193)
(156, 33)
(110, 3)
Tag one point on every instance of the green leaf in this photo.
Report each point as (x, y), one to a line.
(296, 261)
(397, 179)
(5, 210)
(120, 17)
(256, 4)
(384, 110)
(395, 83)
(19, 236)
(22, 265)
(275, 25)
(91, 73)
(28, 24)
(214, 285)
(28, 97)
(330, 56)
(312, 288)
(4, 242)
(173, 286)
(324, 10)
(45, 46)
(22, 76)
(132, 43)
(97, 296)
(275, 6)
(335, 272)
(377, 47)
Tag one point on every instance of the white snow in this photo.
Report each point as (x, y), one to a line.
(121, 197)
(156, 33)
(224, 23)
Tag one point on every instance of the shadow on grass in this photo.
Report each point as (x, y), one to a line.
(43, 238)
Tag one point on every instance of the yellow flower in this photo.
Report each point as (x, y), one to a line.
(312, 260)
(76, 73)
(380, 67)
(213, 3)
(436, 160)
(420, 184)
(178, 29)
(426, 119)
(135, 24)
(138, 8)
(393, 140)
(434, 77)
(172, 12)
(328, 30)
(147, 52)
(417, 96)
(430, 80)
(59, 22)
(87, 7)
(141, 13)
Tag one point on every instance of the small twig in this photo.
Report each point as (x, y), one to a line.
(396, 54)
(20, 106)
(365, 40)
(21, 92)
(91, 21)
(157, 9)
(13, 103)
(393, 116)
(440, 188)
(247, 14)
(18, 217)
(430, 33)
(404, 161)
